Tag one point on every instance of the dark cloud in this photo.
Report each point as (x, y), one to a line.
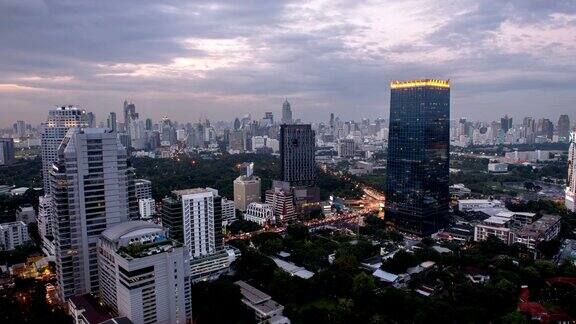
(245, 56)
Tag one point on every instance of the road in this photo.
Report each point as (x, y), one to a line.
(371, 201)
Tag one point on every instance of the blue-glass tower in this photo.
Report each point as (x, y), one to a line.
(417, 175)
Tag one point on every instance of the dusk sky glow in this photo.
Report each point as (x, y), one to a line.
(222, 59)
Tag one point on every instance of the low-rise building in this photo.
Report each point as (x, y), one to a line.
(475, 204)
(12, 235)
(497, 167)
(26, 214)
(544, 229)
(282, 201)
(260, 213)
(266, 310)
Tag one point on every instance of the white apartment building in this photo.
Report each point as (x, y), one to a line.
(147, 208)
(44, 221)
(12, 235)
(143, 188)
(144, 275)
(260, 213)
(228, 212)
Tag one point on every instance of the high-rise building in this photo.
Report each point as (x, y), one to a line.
(6, 151)
(282, 202)
(143, 188)
(346, 147)
(506, 123)
(129, 115)
(570, 198)
(228, 211)
(237, 141)
(12, 235)
(286, 113)
(91, 119)
(247, 189)
(90, 186)
(44, 221)
(111, 121)
(144, 275)
(194, 217)
(564, 128)
(147, 208)
(297, 155)
(418, 155)
(59, 121)
(20, 128)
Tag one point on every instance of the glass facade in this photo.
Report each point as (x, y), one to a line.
(417, 178)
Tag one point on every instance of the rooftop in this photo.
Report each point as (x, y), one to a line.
(93, 311)
(192, 191)
(114, 233)
(397, 84)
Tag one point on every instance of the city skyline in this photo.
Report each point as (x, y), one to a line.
(502, 57)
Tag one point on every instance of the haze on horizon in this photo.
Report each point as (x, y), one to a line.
(222, 59)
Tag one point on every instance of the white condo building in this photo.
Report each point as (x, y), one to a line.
(194, 217)
(90, 193)
(44, 221)
(147, 208)
(571, 181)
(12, 235)
(144, 275)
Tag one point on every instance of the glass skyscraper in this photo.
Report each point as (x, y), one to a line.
(418, 155)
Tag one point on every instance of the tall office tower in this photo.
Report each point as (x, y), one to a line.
(332, 124)
(20, 128)
(129, 115)
(297, 151)
(91, 119)
(247, 189)
(571, 181)
(194, 217)
(90, 193)
(168, 133)
(506, 123)
(564, 128)
(6, 151)
(237, 141)
(138, 135)
(286, 113)
(44, 221)
(148, 124)
(237, 124)
(546, 128)
(144, 275)
(111, 121)
(59, 121)
(418, 155)
(268, 118)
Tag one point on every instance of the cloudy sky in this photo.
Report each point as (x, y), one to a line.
(221, 59)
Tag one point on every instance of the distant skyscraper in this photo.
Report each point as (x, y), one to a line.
(111, 122)
(286, 112)
(571, 180)
(6, 151)
(59, 121)
(20, 128)
(148, 124)
(90, 193)
(91, 119)
(418, 154)
(269, 118)
(144, 275)
(564, 128)
(506, 123)
(297, 155)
